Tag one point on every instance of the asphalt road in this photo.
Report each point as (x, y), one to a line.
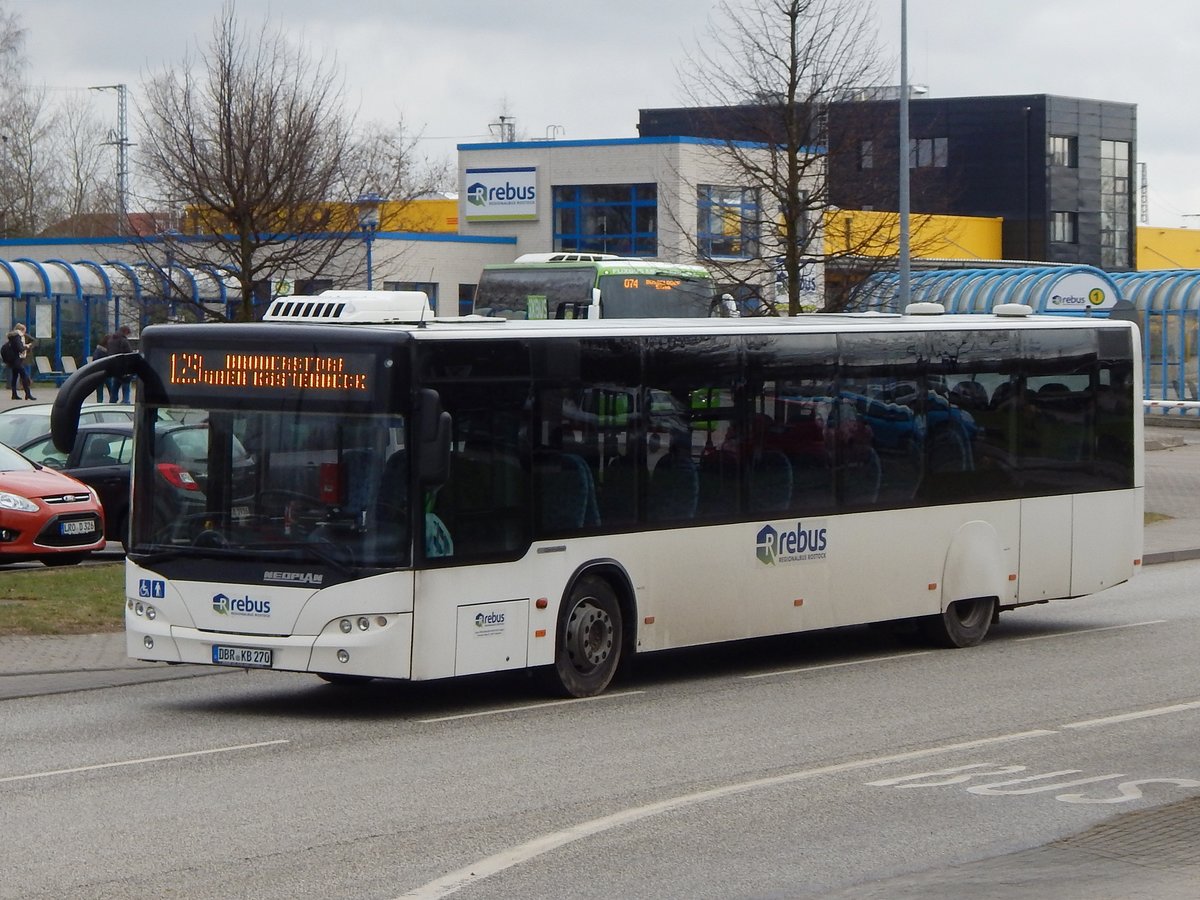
(848, 763)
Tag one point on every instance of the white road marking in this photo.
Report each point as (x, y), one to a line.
(1046, 637)
(853, 662)
(1131, 716)
(546, 705)
(513, 856)
(136, 762)
(506, 859)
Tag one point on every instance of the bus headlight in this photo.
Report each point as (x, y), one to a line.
(346, 626)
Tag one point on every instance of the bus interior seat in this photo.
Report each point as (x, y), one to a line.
(361, 474)
(771, 482)
(674, 487)
(718, 477)
(391, 503)
(566, 491)
(969, 395)
(618, 492)
(1005, 392)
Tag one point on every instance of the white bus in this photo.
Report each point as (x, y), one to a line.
(595, 286)
(422, 501)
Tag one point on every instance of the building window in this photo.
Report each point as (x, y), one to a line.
(1115, 182)
(1064, 151)
(466, 299)
(1064, 227)
(928, 153)
(607, 218)
(727, 221)
(866, 155)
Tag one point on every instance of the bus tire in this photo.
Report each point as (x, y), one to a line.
(588, 647)
(964, 623)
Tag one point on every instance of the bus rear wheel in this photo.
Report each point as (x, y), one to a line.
(588, 647)
(964, 623)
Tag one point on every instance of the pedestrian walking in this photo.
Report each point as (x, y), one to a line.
(118, 342)
(17, 351)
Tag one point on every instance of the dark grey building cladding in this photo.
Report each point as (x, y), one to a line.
(1059, 170)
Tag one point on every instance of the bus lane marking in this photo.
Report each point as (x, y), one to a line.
(854, 662)
(136, 762)
(1126, 791)
(528, 706)
(521, 853)
(1058, 634)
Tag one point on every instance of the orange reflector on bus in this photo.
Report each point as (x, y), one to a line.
(933, 585)
(649, 620)
(541, 603)
(1137, 562)
(799, 601)
(541, 632)
(1012, 576)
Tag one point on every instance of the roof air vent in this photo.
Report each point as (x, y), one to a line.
(1012, 309)
(924, 308)
(352, 306)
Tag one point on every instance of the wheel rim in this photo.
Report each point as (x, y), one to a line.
(590, 635)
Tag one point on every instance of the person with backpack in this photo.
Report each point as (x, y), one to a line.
(15, 353)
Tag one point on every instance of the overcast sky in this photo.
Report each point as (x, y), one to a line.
(450, 67)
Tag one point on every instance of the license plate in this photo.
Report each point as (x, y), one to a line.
(244, 657)
(85, 527)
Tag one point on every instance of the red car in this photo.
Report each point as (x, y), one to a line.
(45, 514)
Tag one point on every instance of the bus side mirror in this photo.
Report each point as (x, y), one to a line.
(433, 439)
(593, 311)
(64, 412)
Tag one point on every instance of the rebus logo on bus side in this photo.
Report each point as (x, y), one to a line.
(799, 544)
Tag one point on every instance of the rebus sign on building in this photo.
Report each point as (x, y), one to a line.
(501, 195)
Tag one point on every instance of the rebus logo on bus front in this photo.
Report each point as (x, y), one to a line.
(799, 544)
(225, 605)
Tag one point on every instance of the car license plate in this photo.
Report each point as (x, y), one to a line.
(244, 657)
(85, 527)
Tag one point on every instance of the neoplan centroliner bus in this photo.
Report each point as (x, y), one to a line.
(453, 497)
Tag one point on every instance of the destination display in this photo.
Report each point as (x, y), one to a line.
(249, 373)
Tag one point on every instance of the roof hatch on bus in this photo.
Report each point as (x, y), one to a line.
(352, 306)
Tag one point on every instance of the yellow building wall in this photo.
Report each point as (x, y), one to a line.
(1167, 248)
(876, 233)
(435, 215)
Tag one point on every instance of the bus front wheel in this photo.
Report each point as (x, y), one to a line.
(964, 623)
(588, 647)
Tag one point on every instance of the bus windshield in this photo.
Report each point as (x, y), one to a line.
(665, 296)
(288, 484)
(541, 293)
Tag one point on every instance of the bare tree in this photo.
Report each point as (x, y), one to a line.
(255, 144)
(769, 70)
(86, 175)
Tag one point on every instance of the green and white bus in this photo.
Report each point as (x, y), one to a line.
(596, 286)
(450, 497)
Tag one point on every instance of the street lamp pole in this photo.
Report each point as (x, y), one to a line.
(368, 223)
(905, 262)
